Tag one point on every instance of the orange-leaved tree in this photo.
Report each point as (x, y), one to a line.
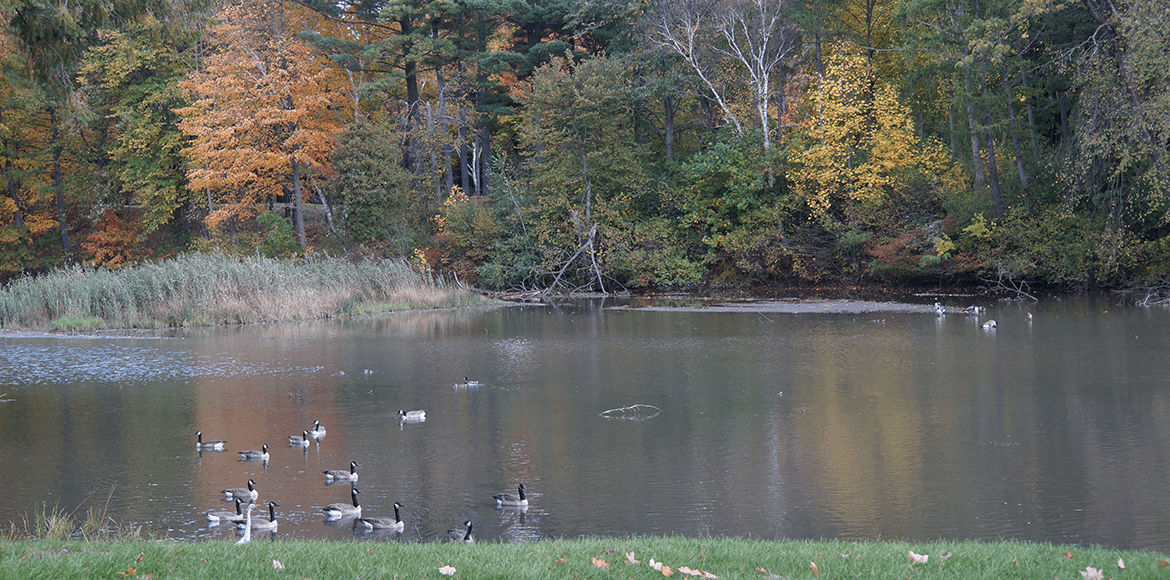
(266, 109)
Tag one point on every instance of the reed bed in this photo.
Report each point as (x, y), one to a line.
(209, 289)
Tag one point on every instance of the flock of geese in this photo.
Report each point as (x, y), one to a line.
(247, 496)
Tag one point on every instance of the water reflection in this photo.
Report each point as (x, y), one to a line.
(898, 425)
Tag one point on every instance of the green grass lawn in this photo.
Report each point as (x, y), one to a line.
(573, 559)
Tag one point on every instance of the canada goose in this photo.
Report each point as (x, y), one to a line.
(247, 494)
(337, 510)
(262, 524)
(385, 523)
(938, 308)
(247, 527)
(202, 445)
(317, 432)
(301, 440)
(509, 499)
(217, 516)
(261, 454)
(412, 416)
(990, 324)
(457, 535)
(340, 474)
(468, 383)
(976, 310)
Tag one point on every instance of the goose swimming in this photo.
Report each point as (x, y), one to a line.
(248, 494)
(202, 445)
(337, 510)
(261, 524)
(412, 416)
(341, 474)
(457, 535)
(468, 383)
(301, 440)
(217, 516)
(317, 432)
(253, 454)
(385, 523)
(511, 499)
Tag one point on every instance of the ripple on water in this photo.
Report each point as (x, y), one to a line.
(48, 364)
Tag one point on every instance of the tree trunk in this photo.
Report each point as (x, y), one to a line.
(300, 219)
(668, 129)
(1011, 111)
(485, 153)
(14, 193)
(992, 166)
(58, 183)
(976, 157)
(1031, 114)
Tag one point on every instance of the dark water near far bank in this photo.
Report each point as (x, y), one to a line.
(772, 425)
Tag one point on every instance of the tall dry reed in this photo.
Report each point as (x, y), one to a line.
(204, 289)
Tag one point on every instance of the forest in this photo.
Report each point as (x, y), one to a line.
(596, 145)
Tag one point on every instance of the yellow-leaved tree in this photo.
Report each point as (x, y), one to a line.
(857, 157)
(265, 112)
(857, 149)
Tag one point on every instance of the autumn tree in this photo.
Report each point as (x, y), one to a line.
(265, 111)
(858, 155)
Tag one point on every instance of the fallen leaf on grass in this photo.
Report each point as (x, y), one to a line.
(761, 570)
(655, 565)
(1162, 564)
(129, 572)
(942, 559)
(1121, 564)
(600, 563)
(693, 572)
(1068, 555)
(918, 558)
(560, 561)
(666, 571)
(276, 565)
(630, 558)
(813, 566)
(447, 570)
(138, 560)
(1092, 573)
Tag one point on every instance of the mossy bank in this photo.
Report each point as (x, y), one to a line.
(584, 558)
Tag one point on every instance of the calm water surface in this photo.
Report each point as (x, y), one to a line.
(850, 426)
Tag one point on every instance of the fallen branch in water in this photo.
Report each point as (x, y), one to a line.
(1007, 283)
(632, 413)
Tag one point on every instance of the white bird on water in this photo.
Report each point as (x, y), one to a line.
(412, 416)
(247, 527)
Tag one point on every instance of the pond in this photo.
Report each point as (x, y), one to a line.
(757, 422)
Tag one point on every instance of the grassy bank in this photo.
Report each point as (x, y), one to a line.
(208, 289)
(586, 558)
(56, 544)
